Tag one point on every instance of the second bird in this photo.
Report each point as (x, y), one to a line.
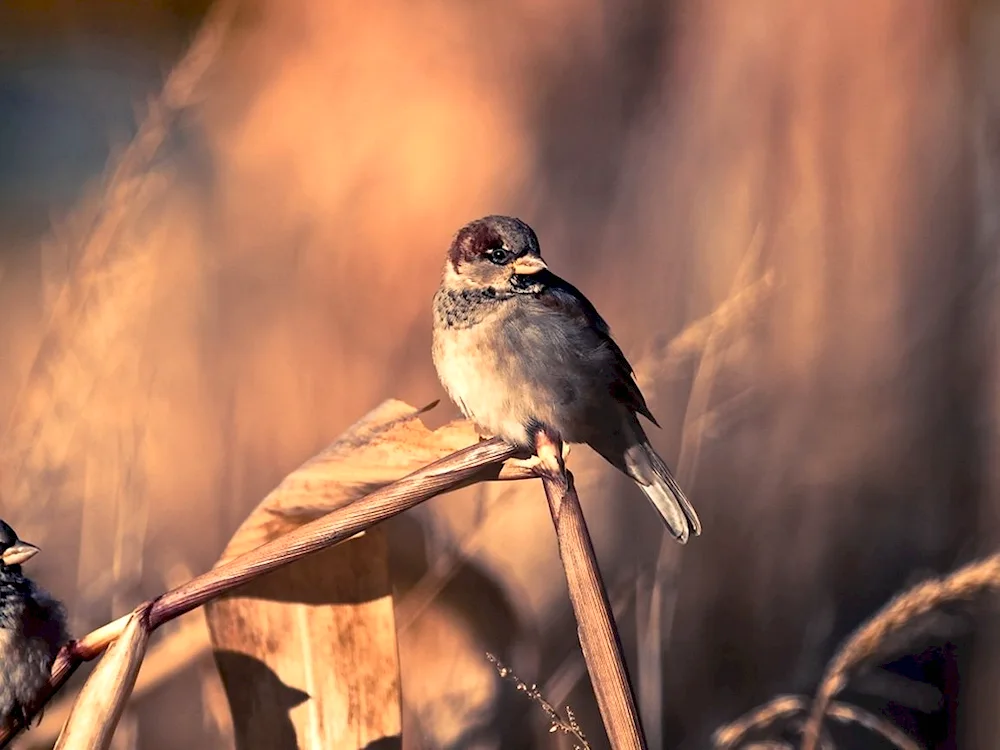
(32, 628)
(519, 349)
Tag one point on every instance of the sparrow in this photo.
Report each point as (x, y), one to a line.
(32, 628)
(519, 350)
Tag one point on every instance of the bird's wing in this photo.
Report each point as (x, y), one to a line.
(560, 296)
(45, 618)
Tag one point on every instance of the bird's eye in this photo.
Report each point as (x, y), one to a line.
(498, 255)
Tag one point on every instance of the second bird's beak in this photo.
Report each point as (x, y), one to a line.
(528, 265)
(20, 553)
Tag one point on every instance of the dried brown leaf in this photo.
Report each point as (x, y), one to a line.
(310, 649)
(386, 444)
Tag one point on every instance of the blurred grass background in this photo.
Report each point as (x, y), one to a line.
(270, 282)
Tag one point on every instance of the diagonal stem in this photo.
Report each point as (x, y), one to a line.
(477, 463)
(602, 649)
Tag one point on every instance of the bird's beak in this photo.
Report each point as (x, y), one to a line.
(528, 265)
(19, 553)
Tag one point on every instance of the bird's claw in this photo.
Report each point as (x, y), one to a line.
(528, 465)
(532, 463)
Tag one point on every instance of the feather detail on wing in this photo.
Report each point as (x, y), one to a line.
(560, 296)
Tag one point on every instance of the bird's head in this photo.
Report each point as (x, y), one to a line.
(13, 551)
(498, 252)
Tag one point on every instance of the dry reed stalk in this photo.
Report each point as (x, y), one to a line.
(564, 678)
(598, 635)
(480, 462)
(92, 722)
(459, 469)
(780, 708)
(785, 707)
(972, 580)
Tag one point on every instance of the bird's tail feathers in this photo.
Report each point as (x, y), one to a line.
(655, 479)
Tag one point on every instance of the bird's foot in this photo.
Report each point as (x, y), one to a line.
(531, 464)
(528, 465)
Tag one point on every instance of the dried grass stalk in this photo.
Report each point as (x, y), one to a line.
(599, 639)
(786, 707)
(476, 463)
(779, 709)
(965, 583)
(91, 724)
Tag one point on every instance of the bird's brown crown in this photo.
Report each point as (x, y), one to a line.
(477, 239)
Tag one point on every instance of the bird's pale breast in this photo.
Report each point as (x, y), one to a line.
(519, 367)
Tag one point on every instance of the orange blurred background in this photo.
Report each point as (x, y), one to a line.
(786, 212)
